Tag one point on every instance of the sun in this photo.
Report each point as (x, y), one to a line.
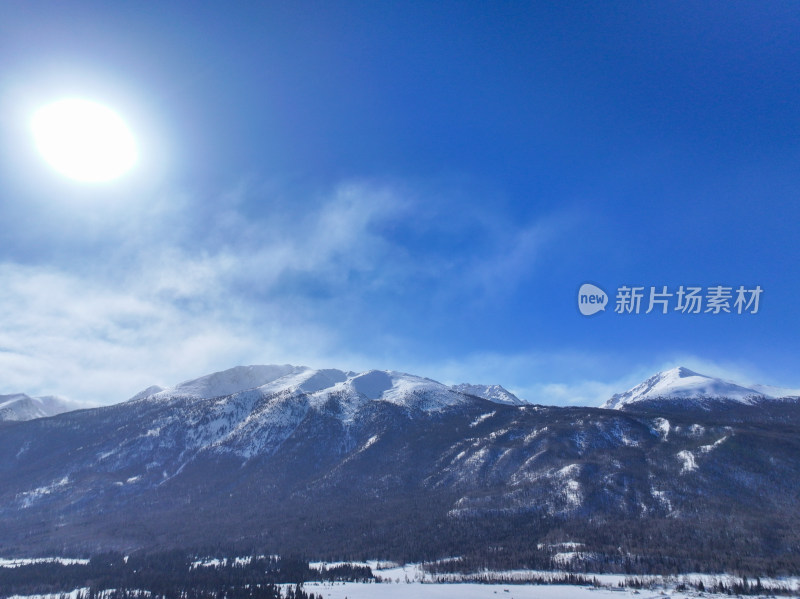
(84, 140)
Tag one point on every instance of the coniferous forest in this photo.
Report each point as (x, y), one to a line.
(174, 575)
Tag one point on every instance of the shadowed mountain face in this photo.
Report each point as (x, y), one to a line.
(389, 465)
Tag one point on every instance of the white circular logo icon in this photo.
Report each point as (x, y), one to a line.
(591, 299)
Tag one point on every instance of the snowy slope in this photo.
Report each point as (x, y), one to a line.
(19, 406)
(494, 393)
(152, 390)
(682, 383)
(227, 382)
(252, 410)
(399, 388)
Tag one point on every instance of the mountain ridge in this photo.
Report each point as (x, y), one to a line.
(678, 383)
(372, 384)
(269, 378)
(400, 466)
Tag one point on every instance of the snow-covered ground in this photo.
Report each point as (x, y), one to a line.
(411, 581)
(71, 595)
(416, 590)
(419, 590)
(351, 590)
(238, 561)
(16, 562)
(389, 572)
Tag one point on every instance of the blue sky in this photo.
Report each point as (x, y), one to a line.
(402, 185)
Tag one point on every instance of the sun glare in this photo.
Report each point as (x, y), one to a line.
(84, 140)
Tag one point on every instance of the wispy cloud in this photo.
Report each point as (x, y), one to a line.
(517, 252)
(147, 299)
(64, 333)
(164, 290)
(163, 304)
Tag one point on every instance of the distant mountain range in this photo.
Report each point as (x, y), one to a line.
(678, 384)
(334, 464)
(272, 378)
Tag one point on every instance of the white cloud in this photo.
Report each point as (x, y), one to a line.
(161, 303)
(168, 289)
(62, 333)
(174, 316)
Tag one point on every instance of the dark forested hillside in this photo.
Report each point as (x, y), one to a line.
(659, 489)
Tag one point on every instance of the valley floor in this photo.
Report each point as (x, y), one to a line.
(416, 590)
(412, 581)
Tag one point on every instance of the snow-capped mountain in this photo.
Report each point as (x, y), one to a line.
(683, 384)
(292, 459)
(494, 393)
(253, 410)
(396, 387)
(226, 382)
(19, 406)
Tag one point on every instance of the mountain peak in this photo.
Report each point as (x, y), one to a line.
(19, 406)
(683, 384)
(494, 393)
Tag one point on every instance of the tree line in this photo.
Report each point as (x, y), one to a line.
(175, 575)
